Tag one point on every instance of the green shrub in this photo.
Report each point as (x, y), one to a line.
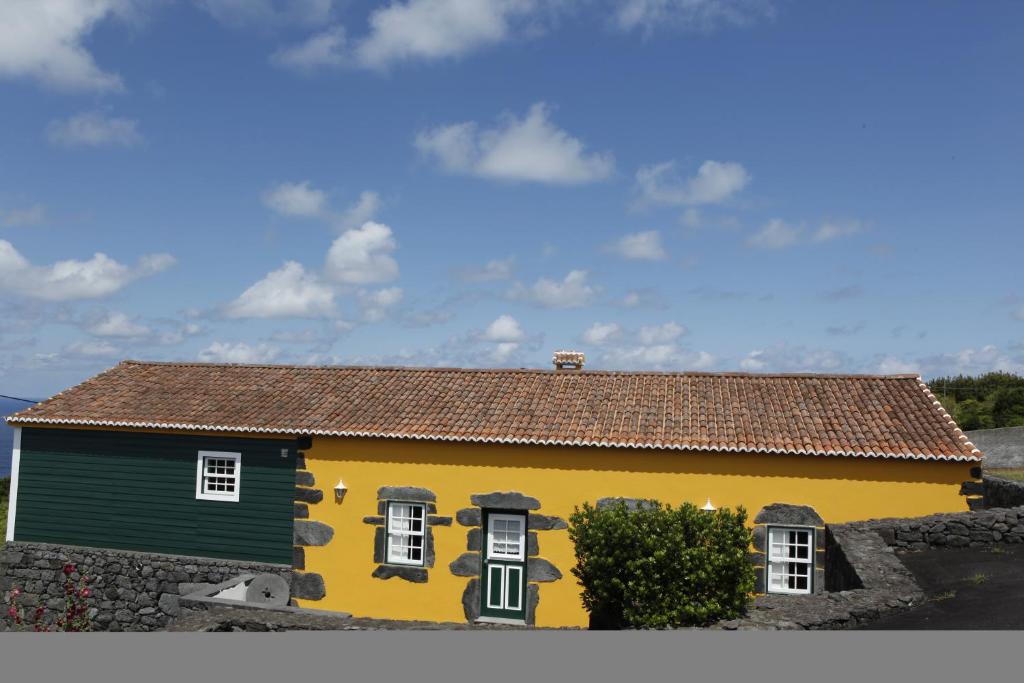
(661, 567)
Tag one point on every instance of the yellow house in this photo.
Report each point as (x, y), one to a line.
(443, 494)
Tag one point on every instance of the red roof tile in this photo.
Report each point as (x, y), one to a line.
(854, 415)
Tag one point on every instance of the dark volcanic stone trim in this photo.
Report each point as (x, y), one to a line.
(435, 520)
(304, 443)
(955, 530)
(414, 494)
(471, 600)
(301, 511)
(412, 574)
(308, 586)
(300, 461)
(308, 495)
(784, 514)
(506, 500)
(532, 544)
(474, 539)
(545, 523)
(468, 517)
(539, 569)
(312, 533)
(304, 479)
(466, 564)
(428, 555)
(1003, 493)
(382, 507)
(532, 600)
(380, 541)
(298, 557)
(376, 520)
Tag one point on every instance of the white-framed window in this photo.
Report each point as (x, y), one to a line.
(790, 559)
(218, 476)
(506, 537)
(406, 533)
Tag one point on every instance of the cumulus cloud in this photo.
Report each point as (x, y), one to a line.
(29, 215)
(117, 325)
(363, 256)
(287, 292)
(693, 15)
(91, 349)
(775, 234)
(656, 357)
(661, 334)
(94, 129)
(493, 270)
(714, 182)
(530, 149)
(296, 200)
(239, 352)
(71, 279)
(376, 304)
(430, 30)
(268, 13)
(896, 366)
(505, 328)
(600, 334)
(785, 358)
(43, 40)
(640, 246)
(325, 49)
(778, 234)
(361, 211)
(571, 292)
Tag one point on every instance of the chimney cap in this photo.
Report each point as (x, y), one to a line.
(568, 360)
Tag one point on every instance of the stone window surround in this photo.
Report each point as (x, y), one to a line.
(404, 494)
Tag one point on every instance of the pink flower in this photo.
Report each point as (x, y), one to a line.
(16, 592)
(85, 592)
(12, 611)
(69, 569)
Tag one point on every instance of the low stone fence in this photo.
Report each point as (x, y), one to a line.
(954, 530)
(131, 591)
(1002, 493)
(864, 580)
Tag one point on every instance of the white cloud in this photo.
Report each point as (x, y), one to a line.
(656, 357)
(92, 349)
(974, 361)
(320, 50)
(226, 352)
(297, 200)
(29, 215)
(895, 366)
(503, 351)
(694, 15)
(363, 210)
(505, 328)
(600, 334)
(528, 149)
(775, 234)
(268, 13)
(117, 325)
(661, 334)
(784, 358)
(376, 304)
(43, 40)
(715, 182)
(641, 246)
(437, 29)
(363, 256)
(493, 270)
(93, 129)
(287, 292)
(71, 279)
(830, 230)
(571, 292)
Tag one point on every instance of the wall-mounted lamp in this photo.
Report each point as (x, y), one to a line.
(339, 491)
(708, 507)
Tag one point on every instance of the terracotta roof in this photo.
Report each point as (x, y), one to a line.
(854, 415)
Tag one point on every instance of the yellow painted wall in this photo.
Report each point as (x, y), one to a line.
(841, 489)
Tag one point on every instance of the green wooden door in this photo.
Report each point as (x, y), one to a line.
(503, 583)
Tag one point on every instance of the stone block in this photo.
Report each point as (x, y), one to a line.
(505, 500)
(304, 478)
(308, 586)
(308, 495)
(312, 533)
(414, 494)
(412, 574)
(301, 511)
(785, 513)
(545, 522)
(539, 569)
(298, 557)
(169, 605)
(466, 564)
(468, 516)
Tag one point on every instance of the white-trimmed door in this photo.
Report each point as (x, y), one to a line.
(503, 583)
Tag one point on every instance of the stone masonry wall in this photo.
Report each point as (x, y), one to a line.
(1002, 493)
(131, 591)
(954, 530)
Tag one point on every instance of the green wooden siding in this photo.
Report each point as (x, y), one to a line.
(136, 491)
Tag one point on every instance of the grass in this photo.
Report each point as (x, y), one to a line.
(948, 595)
(5, 486)
(1016, 474)
(979, 578)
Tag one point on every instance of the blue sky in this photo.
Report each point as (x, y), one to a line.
(663, 184)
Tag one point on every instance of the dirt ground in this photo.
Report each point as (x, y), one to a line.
(967, 588)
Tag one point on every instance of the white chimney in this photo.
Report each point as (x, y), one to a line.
(568, 361)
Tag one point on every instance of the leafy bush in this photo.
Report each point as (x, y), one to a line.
(661, 567)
